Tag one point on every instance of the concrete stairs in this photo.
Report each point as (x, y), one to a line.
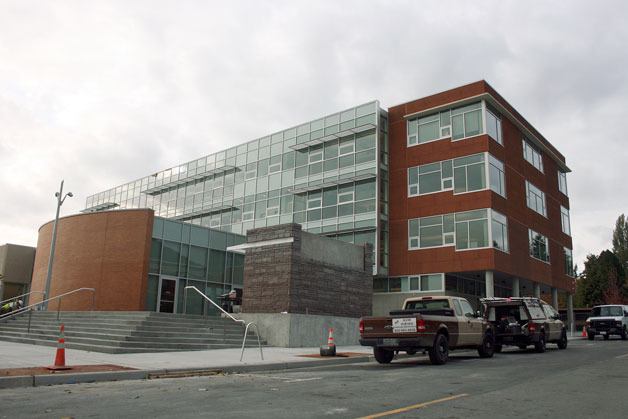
(127, 332)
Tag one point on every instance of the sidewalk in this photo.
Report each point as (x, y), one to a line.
(145, 365)
(149, 365)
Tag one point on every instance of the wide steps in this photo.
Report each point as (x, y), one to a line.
(127, 332)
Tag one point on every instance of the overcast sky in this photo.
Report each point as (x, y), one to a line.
(103, 92)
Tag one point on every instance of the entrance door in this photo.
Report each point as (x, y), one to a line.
(167, 300)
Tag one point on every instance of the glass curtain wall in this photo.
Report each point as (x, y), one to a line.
(193, 256)
(322, 174)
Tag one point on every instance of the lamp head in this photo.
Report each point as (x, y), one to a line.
(70, 194)
(56, 194)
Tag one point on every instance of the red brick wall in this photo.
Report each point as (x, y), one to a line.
(107, 251)
(520, 217)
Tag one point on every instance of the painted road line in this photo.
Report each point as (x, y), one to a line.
(622, 356)
(414, 407)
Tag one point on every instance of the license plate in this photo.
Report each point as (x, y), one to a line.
(390, 342)
(602, 333)
(404, 325)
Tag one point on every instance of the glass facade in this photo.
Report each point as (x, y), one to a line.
(329, 175)
(183, 254)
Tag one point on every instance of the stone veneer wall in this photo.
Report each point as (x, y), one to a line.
(306, 276)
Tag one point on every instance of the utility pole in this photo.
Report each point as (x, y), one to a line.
(60, 200)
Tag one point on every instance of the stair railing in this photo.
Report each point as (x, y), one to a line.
(240, 321)
(17, 297)
(30, 308)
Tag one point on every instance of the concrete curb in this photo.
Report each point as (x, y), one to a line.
(95, 377)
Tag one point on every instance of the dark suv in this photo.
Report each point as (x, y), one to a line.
(524, 321)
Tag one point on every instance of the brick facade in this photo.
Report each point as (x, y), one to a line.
(107, 251)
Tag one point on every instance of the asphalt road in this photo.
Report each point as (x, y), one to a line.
(588, 379)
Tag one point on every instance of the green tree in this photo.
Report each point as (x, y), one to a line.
(603, 279)
(620, 240)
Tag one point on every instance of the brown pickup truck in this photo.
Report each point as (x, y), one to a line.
(435, 324)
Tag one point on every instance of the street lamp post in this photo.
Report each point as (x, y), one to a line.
(60, 199)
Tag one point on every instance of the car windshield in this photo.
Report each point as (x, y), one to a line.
(614, 311)
(427, 305)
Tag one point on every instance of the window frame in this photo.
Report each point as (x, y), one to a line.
(536, 196)
(533, 233)
(534, 151)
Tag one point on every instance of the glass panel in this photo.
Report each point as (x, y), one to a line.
(170, 258)
(151, 293)
(478, 233)
(198, 262)
(429, 131)
(476, 177)
(155, 256)
(429, 183)
(431, 236)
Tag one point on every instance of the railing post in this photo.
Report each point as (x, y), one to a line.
(185, 301)
(30, 315)
(93, 299)
(59, 308)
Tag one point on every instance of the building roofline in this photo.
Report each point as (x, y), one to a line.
(487, 92)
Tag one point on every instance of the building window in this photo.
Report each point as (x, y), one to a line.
(466, 121)
(469, 173)
(457, 123)
(562, 182)
(415, 283)
(430, 178)
(496, 176)
(499, 231)
(494, 125)
(535, 199)
(464, 230)
(532, 155)
(464, 174)
(431, 231)
(564, 220)
(471, 229)
(539, 247)
(569, 270)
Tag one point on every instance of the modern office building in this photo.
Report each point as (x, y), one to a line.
(456, 192)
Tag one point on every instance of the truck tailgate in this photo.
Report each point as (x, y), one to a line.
(397, 326)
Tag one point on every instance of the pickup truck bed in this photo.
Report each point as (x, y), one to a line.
(436, 327)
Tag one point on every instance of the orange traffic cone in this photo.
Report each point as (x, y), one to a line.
(60, 355)
(330, 339)
(330, 348)
(584, 331)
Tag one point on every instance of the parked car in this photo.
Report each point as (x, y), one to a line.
(608, 320)
(435, 324)
(523, 322)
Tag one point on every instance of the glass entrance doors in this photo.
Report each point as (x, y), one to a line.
(167, 300)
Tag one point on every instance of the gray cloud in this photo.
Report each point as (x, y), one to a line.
(100, 93)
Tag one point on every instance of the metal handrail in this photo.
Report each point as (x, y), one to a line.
(58, 297)
(242, 322)
(21, 295)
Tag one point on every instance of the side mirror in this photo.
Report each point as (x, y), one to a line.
(477, 314)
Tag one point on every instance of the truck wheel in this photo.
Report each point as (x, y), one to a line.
(590, 336)
(624, 333)
(383, 356)
(539, 346)
(562, 343)
(439, 352)
(488, 346)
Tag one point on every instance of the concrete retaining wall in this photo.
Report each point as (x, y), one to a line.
(302, 330)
